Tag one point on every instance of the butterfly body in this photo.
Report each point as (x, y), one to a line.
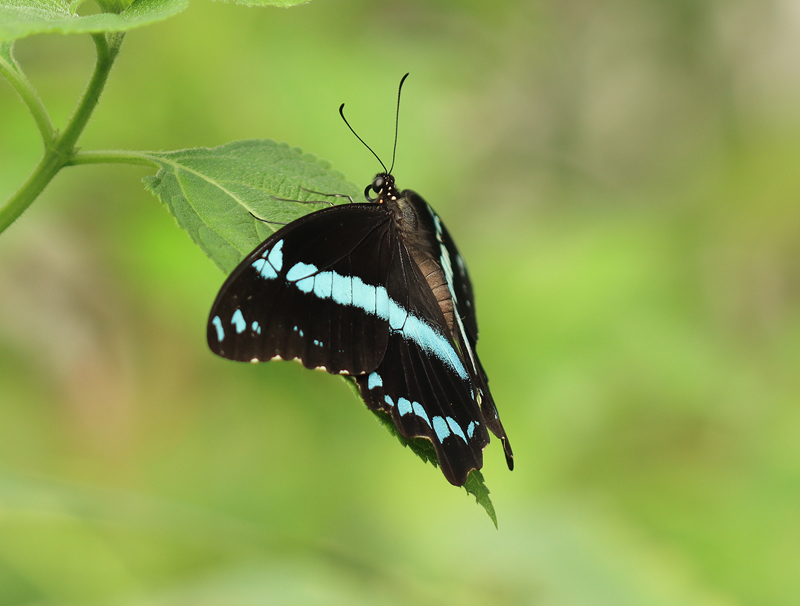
(378, 291)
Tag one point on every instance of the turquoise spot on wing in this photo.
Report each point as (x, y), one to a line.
(269, 267)
(440, 427)
(218, 325)
(238, 321)
(264, 269)
(300, 271)
(471, 428)
(275, 256)
(374, 380)
(388, 400)
(420, 412)
(256, 327)
(403, 406)
(456, 428)
(302, 274)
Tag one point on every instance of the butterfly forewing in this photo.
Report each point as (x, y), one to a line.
(310, 292)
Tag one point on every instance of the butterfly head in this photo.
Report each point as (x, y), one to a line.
(383, 185)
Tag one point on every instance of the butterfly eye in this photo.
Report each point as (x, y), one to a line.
(378, 184)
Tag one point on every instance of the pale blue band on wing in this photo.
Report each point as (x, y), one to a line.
(374, 300)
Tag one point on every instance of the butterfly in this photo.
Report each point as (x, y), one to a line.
(378, 291)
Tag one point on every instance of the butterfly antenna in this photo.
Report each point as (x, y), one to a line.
(341, 113)
(397, 120)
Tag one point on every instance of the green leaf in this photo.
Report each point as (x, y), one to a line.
(477, 488)
(20, 18)
(212, 192)
(112, 6)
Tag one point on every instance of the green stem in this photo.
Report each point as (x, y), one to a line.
(113, 157)
(60, 151)
(16, 77)
(106, 54)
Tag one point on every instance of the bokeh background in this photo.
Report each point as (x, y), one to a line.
(623, 178)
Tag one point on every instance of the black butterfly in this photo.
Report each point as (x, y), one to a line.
(378, 291)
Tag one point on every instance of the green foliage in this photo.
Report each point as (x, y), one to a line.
(21, 18)
(216, 194)
(623, 184)
(228, 198)
(477, 487)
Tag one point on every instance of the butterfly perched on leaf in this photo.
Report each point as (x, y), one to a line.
(379, 292)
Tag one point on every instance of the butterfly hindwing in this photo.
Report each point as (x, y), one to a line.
(310, 292)
(455, 269)
(466, 328)
(423, 382)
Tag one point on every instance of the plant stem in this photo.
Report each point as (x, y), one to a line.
(106, 54)
(60, 151)
(17, 78)
(113, 157)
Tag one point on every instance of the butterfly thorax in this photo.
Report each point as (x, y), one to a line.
(405, 207)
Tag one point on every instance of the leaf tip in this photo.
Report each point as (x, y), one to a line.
(476, 486)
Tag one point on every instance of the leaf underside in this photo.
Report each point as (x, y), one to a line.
(21, 18)
(216, 193)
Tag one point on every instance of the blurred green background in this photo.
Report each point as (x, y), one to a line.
(623, 178)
